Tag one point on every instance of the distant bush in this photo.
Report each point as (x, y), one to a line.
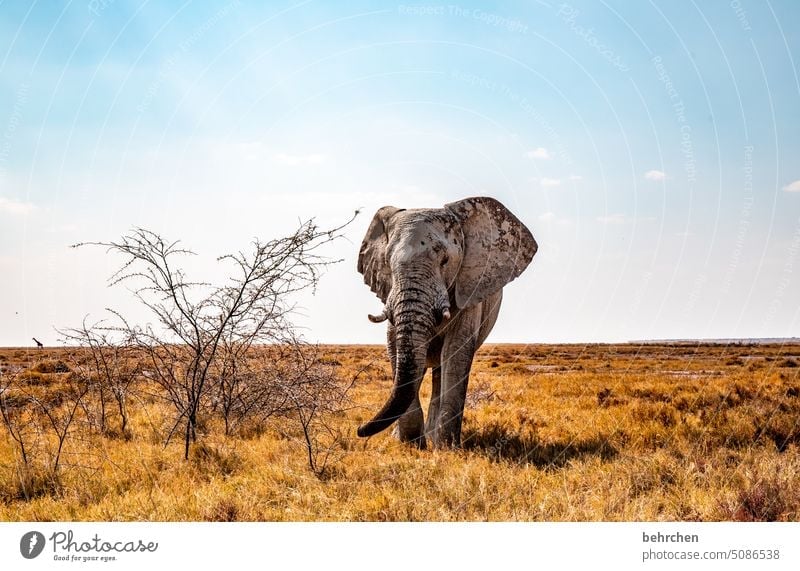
(33, 377)
(51, 366)
(606, 398)
(782, 429)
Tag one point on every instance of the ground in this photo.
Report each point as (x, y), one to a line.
(551, 432)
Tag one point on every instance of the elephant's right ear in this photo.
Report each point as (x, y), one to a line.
(372, 262)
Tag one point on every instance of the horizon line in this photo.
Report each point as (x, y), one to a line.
(663, 341)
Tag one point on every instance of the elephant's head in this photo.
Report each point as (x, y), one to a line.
(427, 264)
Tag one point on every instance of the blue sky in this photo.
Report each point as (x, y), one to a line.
(651, 147)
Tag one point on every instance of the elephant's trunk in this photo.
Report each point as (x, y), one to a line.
(414, 321)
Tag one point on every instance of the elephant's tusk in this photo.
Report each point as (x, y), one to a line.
(377, 318)
(446, 315)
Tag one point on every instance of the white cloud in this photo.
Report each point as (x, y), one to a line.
(655, 175)
(575, 177)
(300, 160)
(539, 153)
(550, 182)
(547, 216)
(612, 219)
(792, 187)
(15, 207)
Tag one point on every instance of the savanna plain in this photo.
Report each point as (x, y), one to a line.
(551, 432)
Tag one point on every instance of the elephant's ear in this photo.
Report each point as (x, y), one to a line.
(372, 262)
(497, 248)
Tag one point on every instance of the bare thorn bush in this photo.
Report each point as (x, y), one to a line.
(40, 425)
(107, 362)
(199, 350)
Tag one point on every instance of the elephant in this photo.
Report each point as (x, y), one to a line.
(440, 274)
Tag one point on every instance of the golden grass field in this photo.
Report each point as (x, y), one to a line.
(551, 432)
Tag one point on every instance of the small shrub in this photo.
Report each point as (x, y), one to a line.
(664, 414)
(480, 394)
(33, 378)
(782, 430)
(117, 433)
(212, 461)
(51, 366)
(735, 432)
(224, 510)
(30, 483)
(251, 429)
(655, 473)
(655, 394)
(743, 392)
(769, 499)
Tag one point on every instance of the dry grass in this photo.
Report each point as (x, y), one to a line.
(597, 432)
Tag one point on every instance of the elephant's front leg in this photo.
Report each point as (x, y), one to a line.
(432, 422)
(459, 352)
(411, 426)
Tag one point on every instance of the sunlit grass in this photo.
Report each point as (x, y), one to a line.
(550, 433)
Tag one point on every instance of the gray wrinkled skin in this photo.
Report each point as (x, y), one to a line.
(440, 274)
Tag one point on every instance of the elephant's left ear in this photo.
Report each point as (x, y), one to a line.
(497, 248)
(372, 261)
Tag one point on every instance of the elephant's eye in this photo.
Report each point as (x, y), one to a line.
(445, 260)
